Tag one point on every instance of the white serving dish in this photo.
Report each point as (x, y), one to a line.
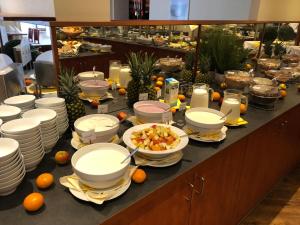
(42, 115)
(184, 140)
(94, 87)
(20, 126)
(101, 135)
(91, 75)
(50, 102)
(20, 100)
(105, 179)
(149, 117)
(202, 126)
(8, 112)
(8, 147)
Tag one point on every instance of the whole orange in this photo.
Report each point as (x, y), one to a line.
(62, 157)
(122, 91)
(33, 202)
(154, 78)
(28, 82)
(161, 79)
(216, 96)
(283, 93)
(181, 98)
(173, 110)
(139, 176)
(44, 180)
(95, 104)
(243, 108)
(159, 83)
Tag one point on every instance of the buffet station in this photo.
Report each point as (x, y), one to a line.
(159, 140)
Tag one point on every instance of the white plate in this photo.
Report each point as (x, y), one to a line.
(184, 140)
(52, 101)
(121, 191)
(20, 126)
(42, 115)
(221, 138)
(153, 163)
(7, 111)
(20, 100)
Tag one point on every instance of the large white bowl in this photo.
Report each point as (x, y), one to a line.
(10, 161)
(12, 185)
(34, 150)
(17, 159)
(94, 87)
(13, 173)
(103, 135)
(184, 140)
(50, 102)
(8, 112)
(42, 115)
(91, 75)
(23, 137)
(29, 166)
(32, 144)
(202, 126)
(8, 148)
(20, 126)
(20, 100)
(145, 116)
(107, 179)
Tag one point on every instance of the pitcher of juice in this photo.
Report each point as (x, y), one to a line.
(232, 100)
(200, 96)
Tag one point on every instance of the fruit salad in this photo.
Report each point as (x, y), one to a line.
(155, 138)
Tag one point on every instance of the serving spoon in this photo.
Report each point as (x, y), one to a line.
(230, 111)
(131, 154)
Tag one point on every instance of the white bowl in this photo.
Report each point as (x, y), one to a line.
(50, 102)
(17, 159)
(91, 75)
(20, 126)
(94, 87)
(103, 133)
(42, 115)
(8, 148)
(32, 144)
(12, 185)
(110, 175)
(33, 151)
(10, 161)
(202, 125)
(31, 157)
(20, 100)
(8, 112)
(23, 137)
(184, 140)
(13, 173)
(150, 111)
(1, 121)
(29, 166)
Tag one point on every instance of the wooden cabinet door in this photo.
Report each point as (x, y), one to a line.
(214, 199)
(168, 206)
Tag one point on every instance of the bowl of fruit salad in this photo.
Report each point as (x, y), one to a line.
(155, 140)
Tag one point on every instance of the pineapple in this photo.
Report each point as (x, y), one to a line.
(187, 73)
(203, 78)
(69, 90)
(134, 85)
(147, 69)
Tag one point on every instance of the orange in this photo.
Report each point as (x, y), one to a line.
(159, 83)
(216, 96)
(243, 108)
(157, 89)
(28, 82)
(95, 104)
(139, 176)
(160, 79)
(33, 202)
(181, 98)
(44, 180)
(283, 93)
(154, 78)
(61, 157)
(173, 110)
(122, 91)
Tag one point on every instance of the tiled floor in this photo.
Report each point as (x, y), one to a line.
(281, 206)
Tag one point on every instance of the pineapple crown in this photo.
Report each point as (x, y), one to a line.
(68, 88)
(134, 60)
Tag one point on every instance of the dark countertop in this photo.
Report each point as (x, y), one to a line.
(62, 208)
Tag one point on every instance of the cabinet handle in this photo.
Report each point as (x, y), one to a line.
(286, 122)
(186, 198)
(282, 124)
(191, 185)
(202, 187)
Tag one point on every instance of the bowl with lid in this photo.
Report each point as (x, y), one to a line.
(150, 111)
(204, 120)
(99, 165)
(94, 87)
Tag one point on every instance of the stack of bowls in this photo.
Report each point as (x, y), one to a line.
(24, 102)
(47, 118)
(11, 166)
(28, 133)
(8, 113)
(59, 106)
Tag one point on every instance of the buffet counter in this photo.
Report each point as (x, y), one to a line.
(215, 183)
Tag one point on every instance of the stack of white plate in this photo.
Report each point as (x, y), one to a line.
(47, 118)
(58, 105)
(28, 133)
(24, 102)
(11, 166)
(8, 113)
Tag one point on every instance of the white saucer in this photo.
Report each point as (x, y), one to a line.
(121, 190)
(202, 139)
(157, 163)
